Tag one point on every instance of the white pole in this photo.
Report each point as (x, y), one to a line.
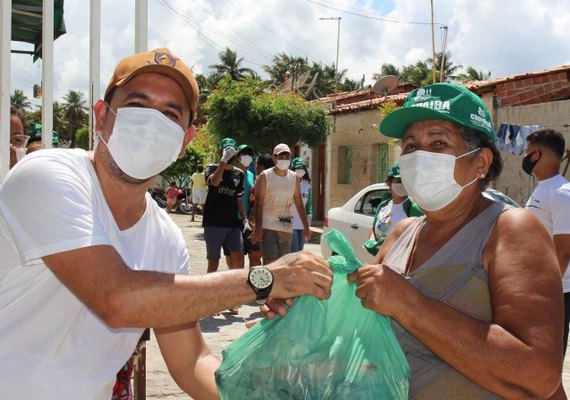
(47, 72)
(141, 25)
(94, 61)
(5, 39)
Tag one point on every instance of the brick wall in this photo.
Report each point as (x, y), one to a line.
(534, 89)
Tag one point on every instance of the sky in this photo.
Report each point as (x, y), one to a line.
(505, 37)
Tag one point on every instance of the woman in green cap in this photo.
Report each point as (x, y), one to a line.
(396, 207)
(473, 287)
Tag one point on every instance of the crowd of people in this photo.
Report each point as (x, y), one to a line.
(91, 261)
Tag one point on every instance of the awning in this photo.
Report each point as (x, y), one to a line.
(27, 23)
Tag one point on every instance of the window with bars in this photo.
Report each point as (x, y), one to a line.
(382, 171)
(344, 164)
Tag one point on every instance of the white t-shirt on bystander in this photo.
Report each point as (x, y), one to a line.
(550, 202)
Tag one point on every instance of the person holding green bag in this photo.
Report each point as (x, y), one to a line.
(391, 211)
(473, 287)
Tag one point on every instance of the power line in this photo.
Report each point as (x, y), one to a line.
(371, 17)
(197, 27)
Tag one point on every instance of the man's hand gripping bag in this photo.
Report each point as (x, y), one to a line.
(330, 349)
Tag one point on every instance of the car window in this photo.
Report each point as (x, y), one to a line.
(367, 203)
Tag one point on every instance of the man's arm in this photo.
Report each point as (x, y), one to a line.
(189, 360)
(216, 178)
(122, 297)
(260, 187)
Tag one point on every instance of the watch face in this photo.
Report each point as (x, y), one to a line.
(261, 278)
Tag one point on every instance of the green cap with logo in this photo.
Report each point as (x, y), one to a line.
(394, 171)
(244, 147)
(227, 142)
(297, 163)
(443, 101)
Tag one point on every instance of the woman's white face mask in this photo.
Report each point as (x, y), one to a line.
(429, 178)
(144, 141)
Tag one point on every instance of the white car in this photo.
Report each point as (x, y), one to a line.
(354, 218)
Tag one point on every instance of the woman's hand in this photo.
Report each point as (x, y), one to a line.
(383, 290)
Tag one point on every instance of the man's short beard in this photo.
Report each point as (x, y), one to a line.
(117, 172)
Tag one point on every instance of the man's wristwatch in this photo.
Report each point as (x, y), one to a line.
(261, 281)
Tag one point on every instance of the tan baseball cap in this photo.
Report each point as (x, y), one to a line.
(281, 148)
(160, 61)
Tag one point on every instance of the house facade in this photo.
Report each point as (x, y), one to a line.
(357, 154)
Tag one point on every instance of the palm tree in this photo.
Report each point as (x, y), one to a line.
(20, 101)
(75, 112)
(388, 69)
(448, 68)
(471, 74)
(285, 66)
(325, 84)
(230, 65)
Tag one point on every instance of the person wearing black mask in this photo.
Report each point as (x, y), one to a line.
(550, 201)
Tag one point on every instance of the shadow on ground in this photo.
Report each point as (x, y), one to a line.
(213, 323)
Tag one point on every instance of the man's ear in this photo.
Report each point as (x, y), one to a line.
(100, 111)
(190, 133)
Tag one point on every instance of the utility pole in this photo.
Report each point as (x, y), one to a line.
(432, 46)
(337, 48)
(442, 67)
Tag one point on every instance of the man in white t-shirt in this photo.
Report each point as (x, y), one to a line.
(550, 200)
(88, 260)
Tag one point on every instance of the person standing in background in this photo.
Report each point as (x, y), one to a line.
(277, 189)
(222, 226)
(172, 193)
(199, 189)
(244, 158)
(391, 211)
(550, 201)
(300, 168)
(18, 137)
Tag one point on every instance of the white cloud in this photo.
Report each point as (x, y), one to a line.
(505, 37)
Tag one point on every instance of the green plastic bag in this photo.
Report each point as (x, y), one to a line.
(330, 349)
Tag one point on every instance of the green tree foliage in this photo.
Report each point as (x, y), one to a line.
(246, 112)
(388, 69)
(449, 69)
(285, 66)
(416, 74)
(74, 108)
(230, 65)
(471, 74)
(82, 138)
(181, 170)
(20, 101)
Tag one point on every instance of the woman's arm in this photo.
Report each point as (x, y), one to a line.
(518, 354)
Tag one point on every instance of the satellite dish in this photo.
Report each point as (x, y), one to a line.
(302, 79)
(311, 86)
(386, 85)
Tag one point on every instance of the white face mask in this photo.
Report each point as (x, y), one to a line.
(300, 172)
(399, 189)
(283, 164)
(428, 178)
(144, 141)
(246, 160)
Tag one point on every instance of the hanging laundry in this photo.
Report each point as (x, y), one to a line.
(511, 138)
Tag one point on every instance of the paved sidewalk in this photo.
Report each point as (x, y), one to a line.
(219, 331)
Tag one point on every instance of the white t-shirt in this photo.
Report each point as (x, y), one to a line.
(550, 202)
(388, 217)
(52, 346)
